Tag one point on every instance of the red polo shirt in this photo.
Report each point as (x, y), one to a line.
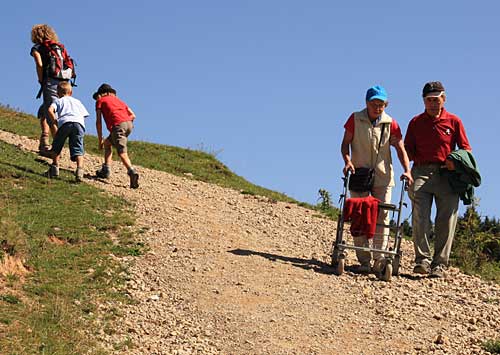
(430, 140)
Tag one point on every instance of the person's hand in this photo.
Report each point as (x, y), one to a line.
(348, 167)
(450, 165)
(101, 143)
(407, 176)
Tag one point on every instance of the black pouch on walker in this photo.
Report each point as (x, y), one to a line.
(362, 180)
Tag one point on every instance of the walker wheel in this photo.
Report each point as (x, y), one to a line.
(395, 269)
(340, 267)
(387, 272)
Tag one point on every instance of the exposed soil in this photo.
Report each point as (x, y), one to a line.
(229, 273)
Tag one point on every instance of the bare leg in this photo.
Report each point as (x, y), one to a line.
(108, 152)
(132, 173)
(79, 168)
(79, 161)
(53, 130)
(44, 136)
(125, 160)
(55, 159)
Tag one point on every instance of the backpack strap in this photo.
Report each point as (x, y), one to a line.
(380, 141)
(381, 137)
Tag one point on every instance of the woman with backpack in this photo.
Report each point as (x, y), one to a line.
(53, 65)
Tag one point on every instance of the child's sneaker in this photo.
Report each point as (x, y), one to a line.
(53, 171)
(134, 178)
(79, 175)
(103, 172)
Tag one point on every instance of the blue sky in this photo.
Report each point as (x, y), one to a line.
(269, 84)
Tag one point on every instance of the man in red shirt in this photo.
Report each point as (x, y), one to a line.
(430, 138)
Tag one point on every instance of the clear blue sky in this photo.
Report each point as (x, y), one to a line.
(269, 84)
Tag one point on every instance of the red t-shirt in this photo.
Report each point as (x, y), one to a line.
(114, 110)
(395, 130)
(431, 140)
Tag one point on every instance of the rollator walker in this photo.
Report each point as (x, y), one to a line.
(392, 255)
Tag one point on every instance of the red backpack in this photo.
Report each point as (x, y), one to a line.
(59, 65)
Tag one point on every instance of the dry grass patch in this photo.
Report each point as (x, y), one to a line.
(12, 266)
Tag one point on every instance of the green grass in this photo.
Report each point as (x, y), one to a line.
(62, 231)
(179, 161)
(492, 346)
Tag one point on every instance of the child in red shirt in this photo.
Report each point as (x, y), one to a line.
(118, 118)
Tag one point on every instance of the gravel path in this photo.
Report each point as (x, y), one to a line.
(229, 273)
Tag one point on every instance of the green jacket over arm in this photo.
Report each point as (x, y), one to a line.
(466, 175)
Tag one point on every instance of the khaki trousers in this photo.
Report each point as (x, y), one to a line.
(429, 185)
(379, 241)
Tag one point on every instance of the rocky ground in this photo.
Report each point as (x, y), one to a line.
(228, 273)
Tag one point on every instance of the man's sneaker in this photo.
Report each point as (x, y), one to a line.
(422, 268)
(438, 271)
(53, 171)
(103, 172)
(79, 175)
(134, 179)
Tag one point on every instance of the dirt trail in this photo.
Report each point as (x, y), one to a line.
(229, 273)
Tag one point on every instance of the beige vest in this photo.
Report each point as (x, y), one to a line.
(364, 147)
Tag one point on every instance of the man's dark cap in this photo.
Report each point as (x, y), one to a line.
(433, 88)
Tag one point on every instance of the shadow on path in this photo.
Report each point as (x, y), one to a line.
(314, 264)
(306, 264)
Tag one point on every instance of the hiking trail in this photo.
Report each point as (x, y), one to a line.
(228, 273)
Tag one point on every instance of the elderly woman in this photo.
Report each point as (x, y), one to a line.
(368, 136)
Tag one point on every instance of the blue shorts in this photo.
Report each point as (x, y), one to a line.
(75, 132)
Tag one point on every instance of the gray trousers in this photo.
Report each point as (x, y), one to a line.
(430, 185)
(379, 241)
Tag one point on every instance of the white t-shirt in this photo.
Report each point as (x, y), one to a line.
(69, 109)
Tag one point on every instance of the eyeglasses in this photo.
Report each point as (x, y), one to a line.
(377, 104)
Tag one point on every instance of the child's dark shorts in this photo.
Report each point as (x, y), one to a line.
(75, 132)
(119, 134)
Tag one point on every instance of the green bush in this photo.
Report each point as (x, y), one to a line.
(476, 248)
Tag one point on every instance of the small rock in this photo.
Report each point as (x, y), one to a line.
(441, 339)
(472, 328)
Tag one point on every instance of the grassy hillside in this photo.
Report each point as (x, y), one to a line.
(55, 266)
(179, 161)
(57, 238)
